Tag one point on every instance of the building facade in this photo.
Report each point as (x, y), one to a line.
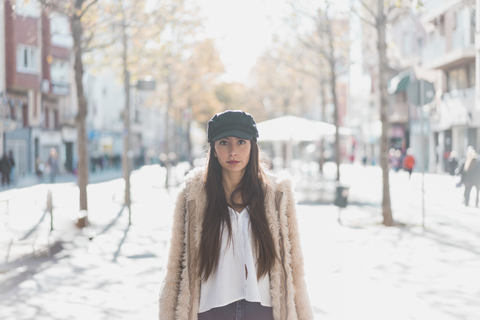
(450, 51)
(37, 102)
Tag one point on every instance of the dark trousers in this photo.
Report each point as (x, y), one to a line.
(468, 189)
(409, 172)
(5, 177)
(239, 310)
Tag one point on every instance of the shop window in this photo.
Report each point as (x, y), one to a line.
(55, 115)
(457, 79)
(25, 115)
(471, 75)
(51, 120)
(47, 120)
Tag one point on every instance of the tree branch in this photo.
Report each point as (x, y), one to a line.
(87, 7)
(391, 7)
(362, 18)
(86, 48)
(55, 7)
(369, 10)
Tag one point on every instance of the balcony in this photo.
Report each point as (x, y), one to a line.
(436, 8)
(434, 50)
(461, 94)
(436, 57)
(60, 88)
(68, 119)
(461, 39)
(431, 5)
(457, 107)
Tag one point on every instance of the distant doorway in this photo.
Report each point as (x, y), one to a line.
(69, 156)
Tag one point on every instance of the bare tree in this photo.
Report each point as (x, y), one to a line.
(328, 40)
(79, 14)
(377, 14)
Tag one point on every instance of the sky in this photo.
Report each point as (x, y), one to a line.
(243, 30)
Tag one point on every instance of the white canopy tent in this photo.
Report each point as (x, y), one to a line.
(294, 129)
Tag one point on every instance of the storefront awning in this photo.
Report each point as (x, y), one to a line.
(399, 83)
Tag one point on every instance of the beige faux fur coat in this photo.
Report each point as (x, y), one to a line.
(180, 288)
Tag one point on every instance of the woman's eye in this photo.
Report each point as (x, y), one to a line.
(241, 142)
(223, 143)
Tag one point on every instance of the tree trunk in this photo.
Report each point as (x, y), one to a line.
(321, 160)
(126, 117)
(189, 139)
(81, 116)
(178, 133)
(382, 60)
(167, 120)
(333, 84)
(333, 81)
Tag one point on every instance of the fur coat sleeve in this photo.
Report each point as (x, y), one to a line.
(302, 302)
(170, 286)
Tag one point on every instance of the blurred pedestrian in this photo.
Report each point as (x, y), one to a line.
(235, 235)
(409, 162)
(364, 160)
(470, 172)
(391, 158)
(12, 165)
(53, 164)
(452, 163)
(5, 168)
(39, 168)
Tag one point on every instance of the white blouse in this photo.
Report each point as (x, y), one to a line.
(231, 282)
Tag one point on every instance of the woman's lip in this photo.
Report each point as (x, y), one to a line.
(233, 162)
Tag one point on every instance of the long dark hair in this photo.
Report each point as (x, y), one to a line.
(217, 215)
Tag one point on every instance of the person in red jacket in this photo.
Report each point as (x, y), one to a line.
(409, 162)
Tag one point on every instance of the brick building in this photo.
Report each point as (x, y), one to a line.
(37, 100)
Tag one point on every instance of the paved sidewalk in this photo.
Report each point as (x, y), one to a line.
(115, 275)
(355, 270)
(25, 222)
(31, 179)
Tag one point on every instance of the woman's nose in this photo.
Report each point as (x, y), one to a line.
(233, 151)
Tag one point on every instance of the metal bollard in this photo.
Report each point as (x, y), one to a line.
(340, 201)
(82, 219)
(50, 207)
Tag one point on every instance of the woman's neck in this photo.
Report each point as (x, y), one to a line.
(230, 183)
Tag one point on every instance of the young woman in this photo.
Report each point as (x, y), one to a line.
(234, 252)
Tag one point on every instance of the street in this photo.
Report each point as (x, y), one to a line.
(356, 268)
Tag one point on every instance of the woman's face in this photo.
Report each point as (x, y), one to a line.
(233, 154)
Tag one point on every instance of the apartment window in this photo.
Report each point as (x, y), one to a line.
(457, 79)
(472, 25)
(420, 46)
(46, 118)
(473, 16)
(59, 71)
(471, 75)
(56, 119)
(27, 59)
(27, 8)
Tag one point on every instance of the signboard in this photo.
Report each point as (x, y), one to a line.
(414, 94)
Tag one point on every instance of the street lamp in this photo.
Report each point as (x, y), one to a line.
(146, 84)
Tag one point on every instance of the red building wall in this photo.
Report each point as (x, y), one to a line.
(19, 30)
